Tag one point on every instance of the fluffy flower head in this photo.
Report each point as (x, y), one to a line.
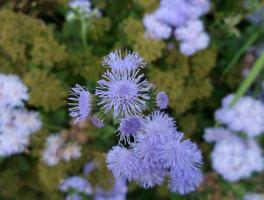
(123, 91)
(131, 60)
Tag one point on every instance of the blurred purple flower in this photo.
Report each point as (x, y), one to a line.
(162, 100)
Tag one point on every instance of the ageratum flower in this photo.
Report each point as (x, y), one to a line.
(123, 163)
(128, 127)
(76, 183)
(235, 158)
(246, 115)
(81, 98)
(162, 100)
(185, 180)
(12, 91)
(123, 91)
(130, 61)
(155, 28)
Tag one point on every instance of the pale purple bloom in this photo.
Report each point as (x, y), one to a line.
(162, 100)
(235, 158)
(131, 60)
(192, 37)
(124, 92)
(13, 92)
(185, 180)
(128, 127)
(117, 192)
(175, 153)
(149, 176)
(76, 183)
(218, 134)
(81, 98)
(155, 28)
(97, 122)
(246, 115)
(122, 162)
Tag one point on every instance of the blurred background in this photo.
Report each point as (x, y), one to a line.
(197, 51)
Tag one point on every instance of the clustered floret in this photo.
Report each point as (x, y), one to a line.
(17, 124)
(181, 19)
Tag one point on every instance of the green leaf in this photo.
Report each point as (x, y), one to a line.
(255, 71)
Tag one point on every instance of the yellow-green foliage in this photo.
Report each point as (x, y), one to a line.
(148, 48)
(185, 79)
(28, 41)
(148, 5)
(188, 124)
(86, 65)
(98, 27)
(45, 90)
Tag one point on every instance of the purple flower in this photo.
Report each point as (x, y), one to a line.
(162, 100)
(122, 162)
(130, 61)
(76, 183)
(97, 122)
(123, 91)
(129, 126)
(149, 177)
(175, 153)
(185, 180)
(158, 123)
(81, 103)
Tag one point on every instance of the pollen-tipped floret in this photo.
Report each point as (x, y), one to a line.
(131, 60)
(124, 92)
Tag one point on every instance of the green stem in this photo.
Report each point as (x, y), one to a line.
(83, 30)
(256, 69)
(242, 50)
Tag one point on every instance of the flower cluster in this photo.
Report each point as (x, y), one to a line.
(16, 123)
(235, 157)
(247, 115)
(155, 148)
(81, 8)
(182, 18)
(58, 149)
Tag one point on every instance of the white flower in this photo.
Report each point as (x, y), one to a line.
(246, 115)
(235, 158)
(155, 28)
(12, 91)
(253, 196)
